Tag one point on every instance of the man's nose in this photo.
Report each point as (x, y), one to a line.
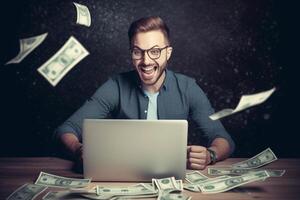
(146, 59)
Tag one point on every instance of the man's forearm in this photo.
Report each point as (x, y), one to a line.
(221, 147)
(70, 144)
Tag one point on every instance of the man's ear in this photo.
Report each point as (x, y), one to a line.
(169, 52)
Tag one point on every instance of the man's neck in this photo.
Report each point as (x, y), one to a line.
(155, 87)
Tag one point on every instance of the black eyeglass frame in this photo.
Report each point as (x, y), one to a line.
(147, 50)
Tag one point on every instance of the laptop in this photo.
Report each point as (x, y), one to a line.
(134, 150)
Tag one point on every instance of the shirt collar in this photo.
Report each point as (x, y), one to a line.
(167, 81)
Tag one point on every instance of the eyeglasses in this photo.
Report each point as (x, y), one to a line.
(153, 53)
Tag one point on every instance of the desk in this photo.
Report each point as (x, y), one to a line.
(15, 172)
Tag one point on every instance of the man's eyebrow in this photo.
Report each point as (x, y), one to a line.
(144, 49)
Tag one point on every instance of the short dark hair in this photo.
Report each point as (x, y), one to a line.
(146, 24)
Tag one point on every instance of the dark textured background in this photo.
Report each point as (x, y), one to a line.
(230, 47)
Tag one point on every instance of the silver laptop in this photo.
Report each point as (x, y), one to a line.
(134, 150)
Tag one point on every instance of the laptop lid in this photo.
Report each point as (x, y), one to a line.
(134, 150)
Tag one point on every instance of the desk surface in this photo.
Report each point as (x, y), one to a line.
(15, 172)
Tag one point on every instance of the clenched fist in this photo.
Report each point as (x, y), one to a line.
(198, 157)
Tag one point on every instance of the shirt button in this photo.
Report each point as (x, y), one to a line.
(145, 111)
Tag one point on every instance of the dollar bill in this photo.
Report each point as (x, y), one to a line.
(150, 186)
(195, 177)
(63, 61)
(62, 195)
(170, 189)
(195, 186)
(239, 171)
(27, 192)
(83, 15)
(276, 173)
(134, 197)
(103, 192)
(166, 184)
(179, 185)
(85, 190)
(245, 102)
(132, 190)
(174, 196)
(55, 195)
(265, 157)
(154, 184)
(27, 45)
(60, 181)
(232, 182)
(191, 187)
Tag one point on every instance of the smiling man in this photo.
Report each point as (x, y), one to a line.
(148, 58)
(151, 92)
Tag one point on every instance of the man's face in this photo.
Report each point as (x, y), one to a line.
(150, 70)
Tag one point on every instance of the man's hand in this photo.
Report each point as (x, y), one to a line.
(72, 146)
(197, 157)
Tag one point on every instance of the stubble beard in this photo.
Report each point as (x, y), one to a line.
(161, 72)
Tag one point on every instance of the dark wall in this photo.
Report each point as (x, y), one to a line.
(230, 47)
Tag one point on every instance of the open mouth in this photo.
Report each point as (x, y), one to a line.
(148, 72)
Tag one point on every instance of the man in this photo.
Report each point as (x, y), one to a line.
(151, 92)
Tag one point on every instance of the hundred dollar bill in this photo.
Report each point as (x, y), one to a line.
(83, 15)
(195, 186)
(27, 192)
(195, 177)
(246, 101)
(166, 184)
(239, 171)
(103, 192)
(138, 189)
(60, 181)
(27, 45)
(63, 61)
(261, 159)
(232, 182)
